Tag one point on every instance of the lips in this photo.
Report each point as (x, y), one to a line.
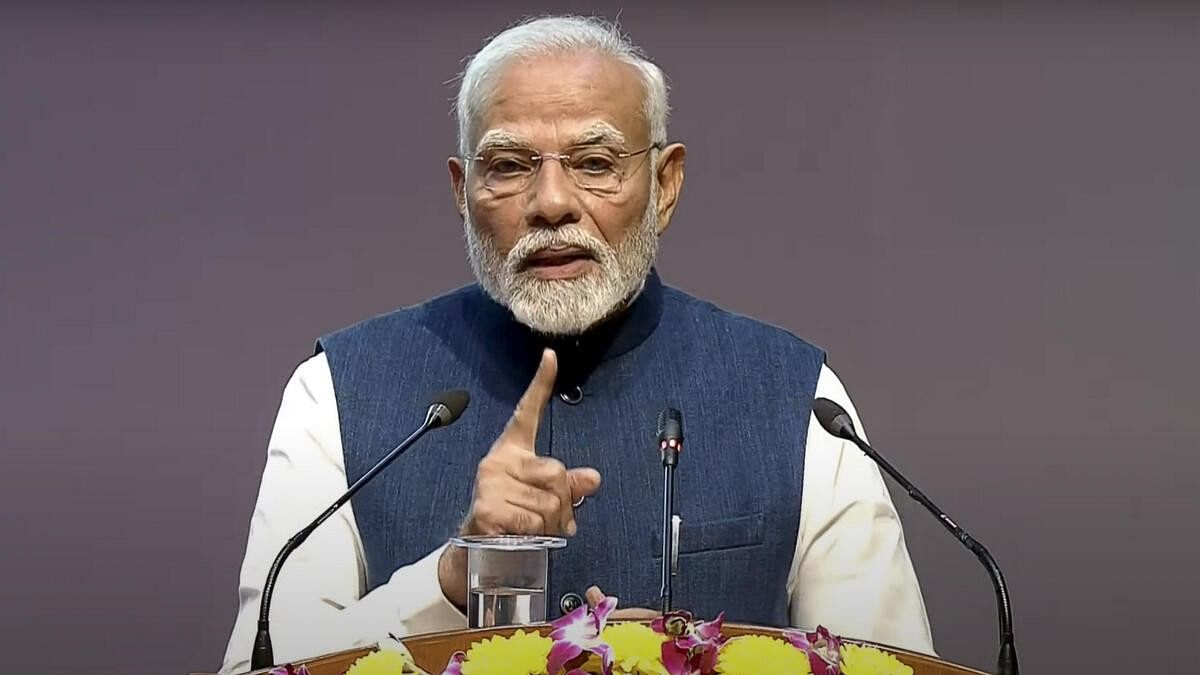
(557, 255)
(559, 262)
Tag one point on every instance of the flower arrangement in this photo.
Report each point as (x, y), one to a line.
(583, 643)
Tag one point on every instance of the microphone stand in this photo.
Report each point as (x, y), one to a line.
(1007, 660)
(263, 655)
(670, 457)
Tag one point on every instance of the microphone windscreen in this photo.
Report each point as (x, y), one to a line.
(834, 418)
(670, 425)
(454, 403)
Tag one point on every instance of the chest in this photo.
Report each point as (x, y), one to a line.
(737, 486)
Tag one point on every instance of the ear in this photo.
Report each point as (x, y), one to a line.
(458, 183)
(670, 182)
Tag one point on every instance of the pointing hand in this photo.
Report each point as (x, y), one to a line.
(516, 490)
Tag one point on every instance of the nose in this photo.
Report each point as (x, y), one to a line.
(553, 197)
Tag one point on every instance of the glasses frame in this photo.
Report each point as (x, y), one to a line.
(539, 157)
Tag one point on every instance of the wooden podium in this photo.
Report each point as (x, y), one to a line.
(432, 650)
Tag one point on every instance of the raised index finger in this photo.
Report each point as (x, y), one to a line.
(523, 425)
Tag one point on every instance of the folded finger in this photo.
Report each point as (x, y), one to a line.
(543, 502)
(550, 474)
(521, 520)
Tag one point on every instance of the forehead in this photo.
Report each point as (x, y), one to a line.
(555, 99)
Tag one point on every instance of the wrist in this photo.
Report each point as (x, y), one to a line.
(452, 575)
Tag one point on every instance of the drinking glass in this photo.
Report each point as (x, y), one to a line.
(506, 578)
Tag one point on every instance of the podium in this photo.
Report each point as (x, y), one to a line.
(432, 650)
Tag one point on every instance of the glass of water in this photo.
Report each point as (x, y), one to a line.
(506, 578)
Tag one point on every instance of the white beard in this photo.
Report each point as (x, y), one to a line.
(565, 306)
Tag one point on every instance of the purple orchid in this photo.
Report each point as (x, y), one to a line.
(824, 649)
(289, 669)
(676, 659)
(673, 623)
(454, 665)
(704, 643)
(693, 647)
(579, 632)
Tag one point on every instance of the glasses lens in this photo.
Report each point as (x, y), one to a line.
(595, 168)
(506, 169)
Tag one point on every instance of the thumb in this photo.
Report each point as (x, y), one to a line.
(595, 596)
(584, 482)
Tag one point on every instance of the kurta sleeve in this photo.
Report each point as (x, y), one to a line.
(851, 571)
(318, 604)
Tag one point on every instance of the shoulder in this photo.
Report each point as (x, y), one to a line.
(400, 323)
(706, 316)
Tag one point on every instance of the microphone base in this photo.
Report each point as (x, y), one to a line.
(1007, 663)
(263, 656)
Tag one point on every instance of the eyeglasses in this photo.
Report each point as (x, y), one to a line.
(596, 168)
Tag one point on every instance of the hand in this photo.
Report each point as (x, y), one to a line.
(595, 596)
(516, 491)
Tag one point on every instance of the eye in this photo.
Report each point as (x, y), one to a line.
(508, 164)
(505, 166)
(594, 163)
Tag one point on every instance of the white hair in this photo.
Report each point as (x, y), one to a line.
(556, 35)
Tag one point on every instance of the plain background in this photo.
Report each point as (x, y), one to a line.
(988, 215)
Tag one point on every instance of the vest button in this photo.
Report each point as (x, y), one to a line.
(572, 396)
(569, 602)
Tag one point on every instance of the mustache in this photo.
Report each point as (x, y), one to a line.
(563, 237)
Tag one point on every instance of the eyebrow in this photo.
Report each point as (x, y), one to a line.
(499, 138)
(599, 133)
(596, 134)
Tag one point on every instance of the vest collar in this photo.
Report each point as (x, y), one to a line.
(579, 355)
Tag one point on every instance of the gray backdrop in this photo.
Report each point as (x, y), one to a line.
(987, 215)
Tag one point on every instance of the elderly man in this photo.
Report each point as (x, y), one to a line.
(570, 345)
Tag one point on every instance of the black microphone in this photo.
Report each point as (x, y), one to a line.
(670, 444)
(836, 421)
(444, 410)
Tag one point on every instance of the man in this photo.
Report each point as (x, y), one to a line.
(570, 346)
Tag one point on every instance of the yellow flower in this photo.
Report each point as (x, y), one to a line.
(383, 662)
(636, 648)
(858, 660)
(519, 654)
(761, 655)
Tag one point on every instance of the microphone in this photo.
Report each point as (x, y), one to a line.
(670, 444)
(837, 422)
(445, 409)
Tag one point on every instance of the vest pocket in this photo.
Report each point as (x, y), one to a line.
(715, 535)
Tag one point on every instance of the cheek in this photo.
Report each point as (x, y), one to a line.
(499, 218)
(614, 218)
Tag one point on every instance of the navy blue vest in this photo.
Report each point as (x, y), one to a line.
(745, 390)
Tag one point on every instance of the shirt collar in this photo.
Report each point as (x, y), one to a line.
(579, 355)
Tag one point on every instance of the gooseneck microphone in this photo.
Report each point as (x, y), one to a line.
(444, 410)
(670, 444)
(836, 421)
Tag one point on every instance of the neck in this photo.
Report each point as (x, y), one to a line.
(614, 316)
(631, 324)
